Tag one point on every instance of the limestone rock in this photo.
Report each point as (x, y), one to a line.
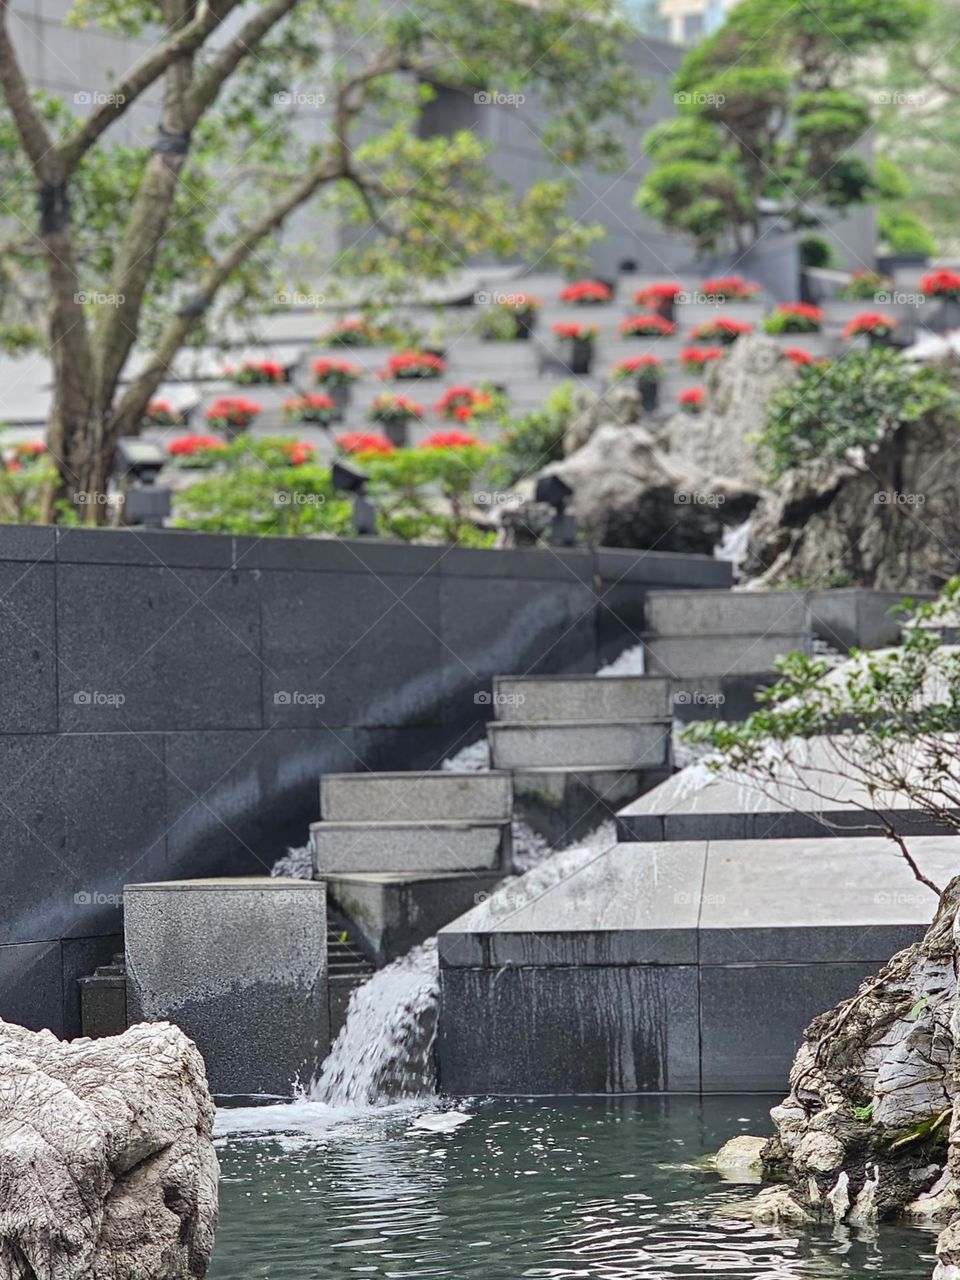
(628, 493)
(107, 1166)
(719, 441)
(740, 1155)
(774, 1205)
(620, 405)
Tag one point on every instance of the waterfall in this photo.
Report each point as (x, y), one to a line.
(385, 1047)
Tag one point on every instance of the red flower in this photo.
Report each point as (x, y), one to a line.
(805, 310)
(233, 411)
(413, 364)
(309, 408)
(463, 403)
(335, 372)
(252, 371)
(187, 446)
(388, 407)
(797, 356)
(575, 330)
(29, 448)
(646, 326)
(730, 288)
(692, 399)
(651, 294)
(645, 366)
(161, 413)
(298, 451)
(586, 292)
(363, 442)
(448, 440)
(868, 322)
(696, 357)
(722, 329)
(941, 284)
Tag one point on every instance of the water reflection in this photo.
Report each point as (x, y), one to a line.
(581, 1189)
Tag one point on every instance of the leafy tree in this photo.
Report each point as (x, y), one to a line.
(888, 722)
(115, 256)
(768, 112)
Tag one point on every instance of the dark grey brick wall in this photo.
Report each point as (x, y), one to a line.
(160, 710)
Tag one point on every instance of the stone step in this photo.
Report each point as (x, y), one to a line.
(716, 655)
(700, 614)
(534, 699)
(602, 744)
(415, 797)
(343, 847)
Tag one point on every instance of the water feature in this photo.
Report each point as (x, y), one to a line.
(597, 1189)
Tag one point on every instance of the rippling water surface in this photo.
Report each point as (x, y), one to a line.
(578, 1189)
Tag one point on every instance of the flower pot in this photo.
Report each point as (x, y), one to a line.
(395, 429)
(439, 352)
(525, 322)
(666, 308)
(581, 355)
(339, 393)
(649, 390)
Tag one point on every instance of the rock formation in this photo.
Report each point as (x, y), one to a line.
(107, 1166)
(871, 1127)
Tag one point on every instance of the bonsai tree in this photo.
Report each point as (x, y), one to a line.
(109, 245)
(767, 113)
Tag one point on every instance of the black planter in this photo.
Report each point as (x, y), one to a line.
(525, 322)
(340, 393)
(581, 355)
(395, 431)
(439, 352)
(649, 393)
(667, 308)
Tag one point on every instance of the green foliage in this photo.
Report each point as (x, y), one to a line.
(863, 285)
(529, 442)
(901, 231)
(407, 483)
(815, 251)
(22, 484)
(768, 111)
(854, 402)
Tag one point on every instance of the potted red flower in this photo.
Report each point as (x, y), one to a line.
(522, 309)
(722, 329)
(691, 401)
(196, 450)
(353, 333)
(460, 404)
(253, 372)
(586, 293)
(872, 325)
(29, 450)
(335, 376)
(730, 289)
(696, 359)
(360, 442)
(315, 408)
(648, 325)
(660, 297)
(232, 413)
(448, 440)
(794, 317)
(393, 413)
(941, 284)
(797, 356)
(161, 413)
(298, 452)
(648, 371)
(413, 364)
(580, 338)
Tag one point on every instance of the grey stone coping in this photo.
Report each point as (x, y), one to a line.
(712, 903)
(621, 566)
(250, 884)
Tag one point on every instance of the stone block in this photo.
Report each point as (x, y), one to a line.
(564, 805)
(600, 745)
(241, 967)
(694, 655)
(727, 613)
(409, 846)
(537, 699)
(416, 797)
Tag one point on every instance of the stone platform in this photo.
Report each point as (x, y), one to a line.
(673, 967)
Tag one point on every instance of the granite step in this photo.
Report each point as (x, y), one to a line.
(535, 699)
(339, 848)
(417, 797)
(580, 744)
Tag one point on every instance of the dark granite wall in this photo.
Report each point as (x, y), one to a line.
(169, 700)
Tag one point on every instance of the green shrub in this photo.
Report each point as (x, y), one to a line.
(815, 251)
(531, 441)
(856, 401)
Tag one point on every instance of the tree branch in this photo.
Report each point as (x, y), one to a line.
(33, 132)
(209, 83)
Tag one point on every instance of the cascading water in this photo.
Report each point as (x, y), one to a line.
(385, 1048)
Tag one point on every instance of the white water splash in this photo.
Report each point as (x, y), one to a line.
(630, 663)
(734, 543)
(385, 1047)
(296, 864)
(471, 759)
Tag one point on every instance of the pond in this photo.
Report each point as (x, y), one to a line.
(566, 1189)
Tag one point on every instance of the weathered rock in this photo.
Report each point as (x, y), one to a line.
(742, 1154)
(864, 1130)
(620, 405)
(628, 493)
(720, 440)
(888, 520)
(107, 1166)
(774, 1205)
